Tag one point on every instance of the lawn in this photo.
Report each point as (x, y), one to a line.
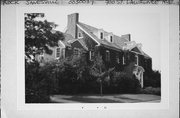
(118, 98)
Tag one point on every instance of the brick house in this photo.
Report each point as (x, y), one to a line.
(116, 51)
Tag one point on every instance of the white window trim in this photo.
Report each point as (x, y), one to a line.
(91, 55)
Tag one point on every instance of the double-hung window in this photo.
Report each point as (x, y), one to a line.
(58, 52)
(101, 35)
(111, 39)
(136, 60)
(91, 55)
(76, 52)
(123, 60)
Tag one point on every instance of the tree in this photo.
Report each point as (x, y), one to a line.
(99, 70)
(39, 35)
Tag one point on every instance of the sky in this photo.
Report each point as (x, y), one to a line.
(142, 24)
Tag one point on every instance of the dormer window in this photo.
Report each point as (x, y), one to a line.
(111, 39)
(101, 35)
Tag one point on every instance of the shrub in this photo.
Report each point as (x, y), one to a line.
(128, 85)
(36, 87)
(151, 90)
(152, 79)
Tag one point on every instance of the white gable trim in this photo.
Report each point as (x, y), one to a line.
(142, 53)
(88, 34)
(137, 53)
(83, 45)
(139, 49)
(62, 44)
(79, 42)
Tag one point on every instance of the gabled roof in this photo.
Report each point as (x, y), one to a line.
(81, 41)
(119, 44)
(89, 30)
(134, 47)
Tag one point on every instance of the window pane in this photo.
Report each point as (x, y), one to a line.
(101, 35)
(58, 52)
(111, 39)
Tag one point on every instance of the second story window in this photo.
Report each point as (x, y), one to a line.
(101, 35)
(107, 55)
(76, 52)
(123, 60)
(136, 60)
(91, 55)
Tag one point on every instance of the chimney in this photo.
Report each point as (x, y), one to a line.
(127, 37)
(73, 19)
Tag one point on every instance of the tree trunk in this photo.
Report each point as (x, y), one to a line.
(101, 87)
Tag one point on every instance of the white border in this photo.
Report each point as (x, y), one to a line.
(164, 104)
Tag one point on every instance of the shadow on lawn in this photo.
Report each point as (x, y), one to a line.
(91, 100)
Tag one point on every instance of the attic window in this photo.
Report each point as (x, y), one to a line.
(101, 35)
(80, 35)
